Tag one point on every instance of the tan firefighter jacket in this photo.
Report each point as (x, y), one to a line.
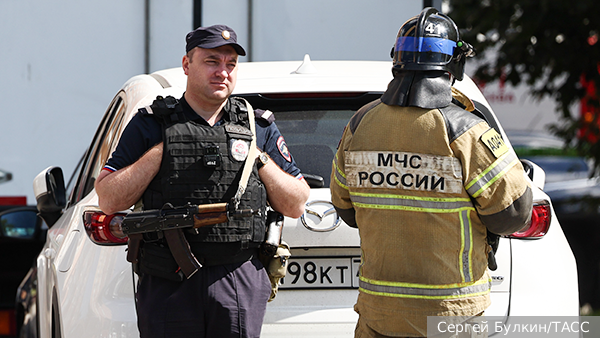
(423, 184)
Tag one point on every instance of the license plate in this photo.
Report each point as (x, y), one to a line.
(321, 272)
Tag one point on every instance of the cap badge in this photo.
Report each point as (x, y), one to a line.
(226, 35)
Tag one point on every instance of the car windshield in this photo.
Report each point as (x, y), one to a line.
(312, 124)
(312, 138)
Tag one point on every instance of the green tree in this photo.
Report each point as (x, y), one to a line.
(550, 45)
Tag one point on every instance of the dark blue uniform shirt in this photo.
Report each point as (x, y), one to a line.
(144, 131)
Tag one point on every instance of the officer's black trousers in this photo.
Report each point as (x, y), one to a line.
(218, 301)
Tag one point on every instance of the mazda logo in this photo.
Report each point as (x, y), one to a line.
(320, 216)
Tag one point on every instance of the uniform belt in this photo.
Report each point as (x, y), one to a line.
(223, 259)
(211, 254)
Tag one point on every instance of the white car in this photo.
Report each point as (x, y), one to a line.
(86, 286)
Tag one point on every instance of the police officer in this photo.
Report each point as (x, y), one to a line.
(194, 153)
(424, 179)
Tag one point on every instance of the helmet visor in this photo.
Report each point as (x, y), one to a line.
(425, 50)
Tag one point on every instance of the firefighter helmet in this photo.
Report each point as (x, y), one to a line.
(430, 41)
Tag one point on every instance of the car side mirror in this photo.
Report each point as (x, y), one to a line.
(50, 194)
(20, 223)
(5, 176)
(535, 173)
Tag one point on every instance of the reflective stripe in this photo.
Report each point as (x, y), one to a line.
(410, 203)
(491, 174)
(339, 176)
(423, 44)
(466, 241)
(462, 206)
(424, 291)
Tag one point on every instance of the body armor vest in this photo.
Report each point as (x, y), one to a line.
(202, 165)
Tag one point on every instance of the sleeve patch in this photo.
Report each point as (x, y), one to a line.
(494, 142)
(283, 149)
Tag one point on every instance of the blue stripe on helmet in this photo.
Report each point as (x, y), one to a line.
(436, 45)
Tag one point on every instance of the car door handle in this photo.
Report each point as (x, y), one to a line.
(50, 253)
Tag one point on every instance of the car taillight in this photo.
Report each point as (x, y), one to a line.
(8, 324)
(104, 229)
(540, 222)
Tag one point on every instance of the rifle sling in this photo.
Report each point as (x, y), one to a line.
(252, 153)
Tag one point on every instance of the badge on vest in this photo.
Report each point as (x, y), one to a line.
(239, 149)
(494, 142)
(239, 141)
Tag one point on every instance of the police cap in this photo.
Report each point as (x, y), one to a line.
(213, 37)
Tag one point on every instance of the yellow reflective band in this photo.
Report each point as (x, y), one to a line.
(497, 177)
(395, 295)
(462, 248)
(466, 241)
(405, 208)
(416, 198)
(424, 291)
(337, 169)
(491, 174)
(410, 203)
(487, 170)
(340, 183)
(470, 265)
(424, 286)
(339, 176)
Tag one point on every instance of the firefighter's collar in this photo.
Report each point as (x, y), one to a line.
(431, 89)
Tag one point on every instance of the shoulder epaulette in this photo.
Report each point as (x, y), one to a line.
(357, 117)
(265, 115)
(458, 120)
(165, 109)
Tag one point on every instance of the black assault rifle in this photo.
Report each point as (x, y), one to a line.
(169, 222)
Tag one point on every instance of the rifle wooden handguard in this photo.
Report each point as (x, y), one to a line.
(209, 218)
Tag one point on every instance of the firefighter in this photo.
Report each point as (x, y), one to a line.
(424, 179)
